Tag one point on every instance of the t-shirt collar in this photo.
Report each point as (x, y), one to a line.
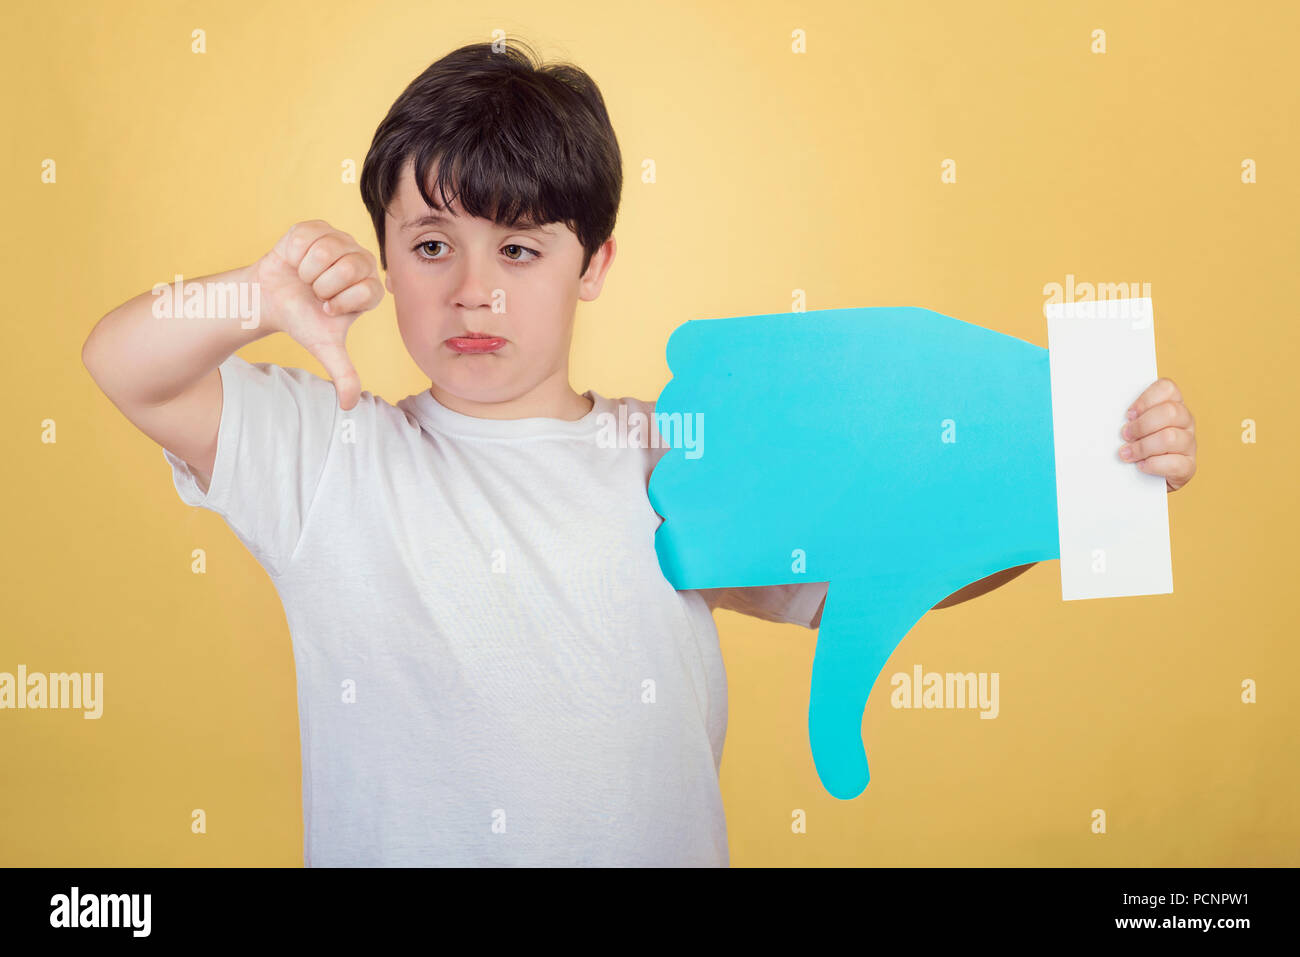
(437, 417)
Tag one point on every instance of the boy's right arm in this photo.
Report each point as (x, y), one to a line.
(162, 373)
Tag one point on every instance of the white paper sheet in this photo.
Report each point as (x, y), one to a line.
(1113, 517)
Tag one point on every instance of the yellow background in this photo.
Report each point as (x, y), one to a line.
(776, 172)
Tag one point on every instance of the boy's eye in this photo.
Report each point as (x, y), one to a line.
(513, 251)
(522, 250)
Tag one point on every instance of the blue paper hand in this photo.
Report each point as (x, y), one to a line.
(896, 453)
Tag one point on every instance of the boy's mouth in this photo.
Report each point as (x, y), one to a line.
(475, 343)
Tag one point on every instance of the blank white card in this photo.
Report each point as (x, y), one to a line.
(1113, 517)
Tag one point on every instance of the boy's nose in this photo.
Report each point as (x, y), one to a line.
(473, 284)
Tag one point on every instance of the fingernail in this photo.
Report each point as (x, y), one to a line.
(1126, 453)
(1132, 413)
(326, 307)
(1124, 432)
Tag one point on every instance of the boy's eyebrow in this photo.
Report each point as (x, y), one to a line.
(430, 219)
(437, 219)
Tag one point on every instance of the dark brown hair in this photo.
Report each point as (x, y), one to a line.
(515, 141)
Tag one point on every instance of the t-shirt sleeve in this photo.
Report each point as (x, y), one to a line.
(275, 435)
(797, 604)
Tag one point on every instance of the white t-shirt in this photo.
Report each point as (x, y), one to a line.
(492, 668)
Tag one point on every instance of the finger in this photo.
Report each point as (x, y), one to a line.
(357, 298)
(294, 244)
(1162, 390)
(1158, 443)
(1158, 417)
(334, 357)
(348, 269)
(324, 253)
(1177, 469)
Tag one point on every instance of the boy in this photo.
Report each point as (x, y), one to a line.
(491, 667)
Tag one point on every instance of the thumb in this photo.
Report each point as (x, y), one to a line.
(333, 355)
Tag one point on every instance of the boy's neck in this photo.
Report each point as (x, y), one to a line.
(552, 398)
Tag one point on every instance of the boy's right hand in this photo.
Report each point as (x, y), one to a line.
(312, 286)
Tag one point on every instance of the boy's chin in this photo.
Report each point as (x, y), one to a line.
(482, 379)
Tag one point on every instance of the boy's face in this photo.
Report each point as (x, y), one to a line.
(452, 275)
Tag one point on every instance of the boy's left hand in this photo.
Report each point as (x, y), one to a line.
(1161, 435)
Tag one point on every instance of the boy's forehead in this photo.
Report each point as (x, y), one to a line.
(410, 211)
(407, 202)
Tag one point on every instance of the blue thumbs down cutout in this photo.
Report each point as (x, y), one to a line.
(896, 453)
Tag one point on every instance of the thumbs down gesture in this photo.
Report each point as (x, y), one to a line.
(896, 453)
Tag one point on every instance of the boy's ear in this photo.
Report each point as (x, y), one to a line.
(592, 281)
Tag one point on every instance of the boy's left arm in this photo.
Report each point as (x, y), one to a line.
(1160, 439)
